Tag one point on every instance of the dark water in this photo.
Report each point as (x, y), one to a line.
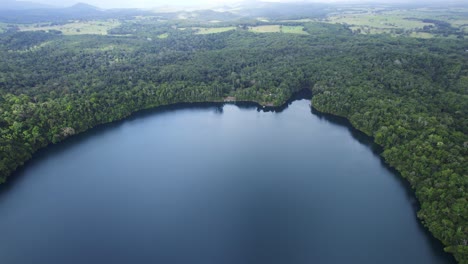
(213, 185)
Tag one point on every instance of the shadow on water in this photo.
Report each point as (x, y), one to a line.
(368, 141)
(301, 94)
(358, 135)
(57, 149)
(377, 150)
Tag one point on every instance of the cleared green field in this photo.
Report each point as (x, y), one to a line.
(456, 17)
(397, 22)
(278, 29)
(304, 20)
(163, 36)
(379, 21)
(76, 28)
(421, 35)
(266, 29)
(294, 30)
(255, 29)
(214, 30)
(2, 27)
(458, 23)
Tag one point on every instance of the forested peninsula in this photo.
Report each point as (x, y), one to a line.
(409, 94)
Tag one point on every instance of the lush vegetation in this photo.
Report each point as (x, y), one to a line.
(422, 21)
(409, 94)
(74, 28)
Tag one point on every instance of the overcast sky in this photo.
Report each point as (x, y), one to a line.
(156, 3)
(132, 3)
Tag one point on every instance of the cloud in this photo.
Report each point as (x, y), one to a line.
(132, 3)
(156, 3)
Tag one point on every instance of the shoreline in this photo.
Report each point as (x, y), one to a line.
(359, 135)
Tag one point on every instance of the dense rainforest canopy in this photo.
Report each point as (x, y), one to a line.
(409, 94)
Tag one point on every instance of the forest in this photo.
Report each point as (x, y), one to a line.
(409, 94)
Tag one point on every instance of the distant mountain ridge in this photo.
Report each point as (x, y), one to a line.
(84, 7)
(26, 12)
(25, 5)
(22, 5)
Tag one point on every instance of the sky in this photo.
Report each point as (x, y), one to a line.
(133, 3)
(158, 3)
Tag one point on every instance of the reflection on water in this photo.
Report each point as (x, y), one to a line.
(214, 183)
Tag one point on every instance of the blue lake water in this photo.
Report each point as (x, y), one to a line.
(213, 184)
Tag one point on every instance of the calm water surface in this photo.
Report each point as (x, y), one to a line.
(213, 185)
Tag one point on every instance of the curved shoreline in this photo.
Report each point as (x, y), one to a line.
(410, 185)
(301, 94)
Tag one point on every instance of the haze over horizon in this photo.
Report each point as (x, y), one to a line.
(158, 3)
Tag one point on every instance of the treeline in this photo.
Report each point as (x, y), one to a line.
(409, 94)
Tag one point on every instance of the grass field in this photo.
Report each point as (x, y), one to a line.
(379, 21)
(373, 21)
(2, 27)
(294, 30)
(76, 28)
(458, 22)
(256, 29)
(278, 29)
(421, 35)
(304, 20)
(163, 36)
(266, 29)
(213, 30)
(456, 17)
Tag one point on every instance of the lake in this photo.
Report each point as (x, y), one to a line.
(213, 184)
